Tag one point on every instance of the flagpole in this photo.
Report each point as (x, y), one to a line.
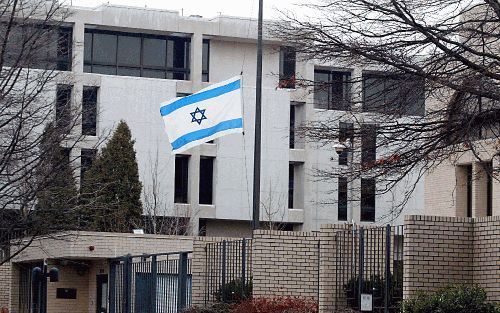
(258, 118)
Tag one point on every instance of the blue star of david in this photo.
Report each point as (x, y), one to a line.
(194, 114)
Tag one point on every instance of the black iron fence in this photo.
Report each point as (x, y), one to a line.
(152, 283)
(369, 268)
(228, 271)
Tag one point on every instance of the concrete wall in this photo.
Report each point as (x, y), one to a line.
(444, 250)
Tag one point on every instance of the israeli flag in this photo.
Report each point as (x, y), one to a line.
(210, 113)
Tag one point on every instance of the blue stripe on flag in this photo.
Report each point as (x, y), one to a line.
(203, 133)
(197, 97)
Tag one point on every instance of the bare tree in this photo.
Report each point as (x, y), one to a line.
(35, 49)
(160, 216)
(448, 48)
(274, 205)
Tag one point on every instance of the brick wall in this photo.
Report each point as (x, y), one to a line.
(285, 264)
(443, 250)
(486, 262)
(5, 285)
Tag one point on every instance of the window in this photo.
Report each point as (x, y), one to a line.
(332, 90)
(342, 199)
(66, 155)
(489, 189)
(205, 61)
(346, 131)
(292, 127)
(181, 179)
(89, 111)
(368, 144)
(130, 54)
(206, 180)
(287, 67)
(469, 190)
(367, 200)
(87, 157)
(49, 48)
(63, 106)
(291, 184)
(393, 94)
(64, 49)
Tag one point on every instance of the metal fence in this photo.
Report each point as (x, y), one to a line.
(228, 271)
(369, 268)
(152, 283)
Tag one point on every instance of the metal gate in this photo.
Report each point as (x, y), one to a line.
(369, 268)
(150, 283)
(228, 271)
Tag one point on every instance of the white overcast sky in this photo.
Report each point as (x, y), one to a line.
(206, 8)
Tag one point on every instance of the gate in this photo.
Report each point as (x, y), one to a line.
(150, 283)
(369, 268)
(228, 271)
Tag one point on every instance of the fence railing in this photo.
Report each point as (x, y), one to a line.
(369, 264)
(228, 271)
(152, 283)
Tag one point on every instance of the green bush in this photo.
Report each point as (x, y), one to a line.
(235, 291)
(451, 299)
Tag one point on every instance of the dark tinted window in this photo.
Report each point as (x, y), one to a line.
(125, 54)
(63, 106)
(291, 184)
(393, 94)
(346, 131)
(332, 90)
(181, 179)
(292, 126)
(368, 200)
(89, 111)
(206, 180)
(368, 144)
(129, 51)
(205, 61)
(287, 67)
(342, 199)
(86, 159)
(64, 50)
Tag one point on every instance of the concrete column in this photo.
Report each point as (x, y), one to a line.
(196, 60)
(194, 189)
(78, 47)
(357, 89)
(479, 190)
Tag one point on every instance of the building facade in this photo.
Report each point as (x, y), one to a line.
(126, 61)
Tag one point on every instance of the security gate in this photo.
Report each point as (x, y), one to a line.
(369, 268)
(150, 283)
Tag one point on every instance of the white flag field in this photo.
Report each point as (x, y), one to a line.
(208, 114)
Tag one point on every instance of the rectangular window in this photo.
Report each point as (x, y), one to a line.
(87, 156)
(181, 179)
(291, 184)
(89, 111)
(489, 189)
(368, 200)
(131, 54)
(346, 132)
(368, 144)
(332, 90)
(206, 180)
(292, 126)
(63, 106)
(287, 67)
(64, 49)
(393, 94)
(342, 199)
(469, 190)
(205, 61)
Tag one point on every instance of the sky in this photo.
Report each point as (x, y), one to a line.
(206, 8)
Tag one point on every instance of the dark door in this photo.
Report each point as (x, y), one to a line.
(102, 294)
